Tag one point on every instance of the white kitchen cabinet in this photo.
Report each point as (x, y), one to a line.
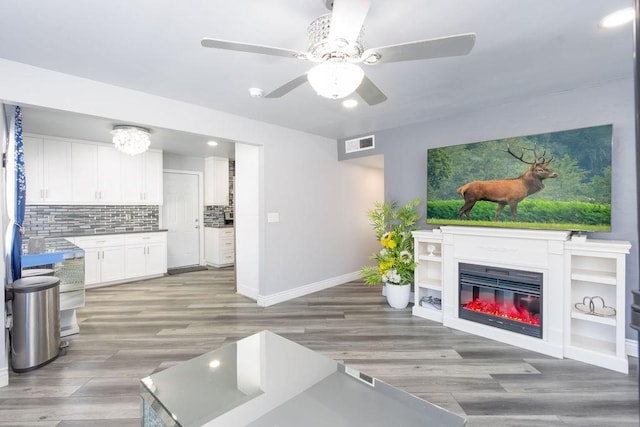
(142, 178)
(146, 254)
(96, 174)
(67, 172)
(216, 181)
(117, 258)
(103, 259)
(219, 248)
(47, 170)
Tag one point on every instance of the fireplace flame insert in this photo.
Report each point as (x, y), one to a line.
(503, 298)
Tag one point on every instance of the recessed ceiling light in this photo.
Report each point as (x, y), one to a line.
(618, 18)
(212, 143)
(256, 92)
(349, 103)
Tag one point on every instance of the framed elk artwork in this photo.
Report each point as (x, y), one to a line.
(558, 180)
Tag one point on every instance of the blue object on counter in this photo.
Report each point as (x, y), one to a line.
(56, 249)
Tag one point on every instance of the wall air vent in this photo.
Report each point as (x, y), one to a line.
(359, 144)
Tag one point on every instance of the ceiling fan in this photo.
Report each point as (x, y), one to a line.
(335, 44)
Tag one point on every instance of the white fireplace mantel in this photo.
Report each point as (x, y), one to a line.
(565, 332)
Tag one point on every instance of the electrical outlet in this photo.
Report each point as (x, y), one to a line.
(51, 219)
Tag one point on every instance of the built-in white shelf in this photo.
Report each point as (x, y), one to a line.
(572, 271)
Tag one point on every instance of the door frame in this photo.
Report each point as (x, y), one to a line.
(200, 176)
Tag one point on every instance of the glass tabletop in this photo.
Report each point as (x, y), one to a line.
(265, 380)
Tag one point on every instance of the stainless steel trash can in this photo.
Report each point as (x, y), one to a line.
(35, 334)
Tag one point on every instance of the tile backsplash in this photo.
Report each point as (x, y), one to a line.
(70, 220)
(214, 215)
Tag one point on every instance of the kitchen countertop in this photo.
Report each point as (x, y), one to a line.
(58, 248)
(219, 226)
(103, 233)
(106, 233)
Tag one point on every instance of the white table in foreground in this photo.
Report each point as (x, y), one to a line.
(265, 380)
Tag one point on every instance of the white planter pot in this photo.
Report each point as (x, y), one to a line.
(398, 295)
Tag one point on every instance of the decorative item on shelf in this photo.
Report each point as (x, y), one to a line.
(395, 261)
(588, 306)
(431, 249)
(430, 301)
(131, 140)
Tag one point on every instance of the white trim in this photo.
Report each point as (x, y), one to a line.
(247, 291)
(4, 377)
(267, 300)
(121, 281)
(632, 347)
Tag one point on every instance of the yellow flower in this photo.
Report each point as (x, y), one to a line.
(385, 265)
(387, 240)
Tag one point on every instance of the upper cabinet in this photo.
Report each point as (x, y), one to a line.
(142, 178)
(47, 170)
(96, 174)
(87, 173)
(216, 181)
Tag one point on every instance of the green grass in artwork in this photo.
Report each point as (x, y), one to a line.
(531, 214)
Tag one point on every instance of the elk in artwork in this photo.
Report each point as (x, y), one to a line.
(508, 191)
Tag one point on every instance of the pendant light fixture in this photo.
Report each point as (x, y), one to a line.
(131, 140)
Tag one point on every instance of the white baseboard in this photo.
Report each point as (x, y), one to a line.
(4, 377)
(632, 348)
(247, 291)
(267, 300)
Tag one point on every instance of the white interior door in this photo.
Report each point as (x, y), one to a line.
(181, 216)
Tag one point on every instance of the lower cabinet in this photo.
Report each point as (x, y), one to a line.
(146, 254)
(219, 249)
(121, 257)
(103, 258)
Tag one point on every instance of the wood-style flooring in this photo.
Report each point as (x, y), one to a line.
(132, 330)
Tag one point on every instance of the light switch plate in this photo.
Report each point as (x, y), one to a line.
(273, 217)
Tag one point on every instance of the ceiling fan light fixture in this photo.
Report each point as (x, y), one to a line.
(335, 79)
(131, 140)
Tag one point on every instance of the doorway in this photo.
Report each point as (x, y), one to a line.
(181, 216)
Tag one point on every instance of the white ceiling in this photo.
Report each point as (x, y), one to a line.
(523, 48)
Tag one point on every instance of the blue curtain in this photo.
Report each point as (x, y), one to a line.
(20, 190)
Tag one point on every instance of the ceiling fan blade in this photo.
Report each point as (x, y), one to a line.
(441, 47)
(347, 17)
(252, 48)
(287, 87)
(370, 92)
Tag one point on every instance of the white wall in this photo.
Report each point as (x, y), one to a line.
(249, 210)
(320, 239)
(182, 163)
(322, 207)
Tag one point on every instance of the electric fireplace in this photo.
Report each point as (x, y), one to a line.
(500, 297)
